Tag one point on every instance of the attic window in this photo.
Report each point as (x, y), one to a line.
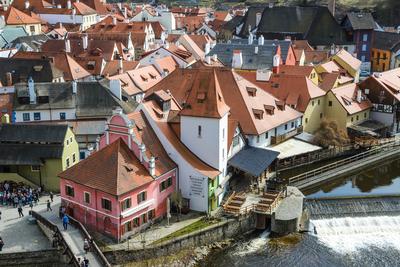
(275, 85)
(346, 101)
(152, 75)
(219, 97)
(251, 91)
(258, 113)
(139, 127)
(143, 78)
(280, 104)
(269, 109)
(38, 67)
(128, 169)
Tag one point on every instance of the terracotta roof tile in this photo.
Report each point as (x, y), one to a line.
(113, 169)
(347, 94)
(146, 135)
(16, 17)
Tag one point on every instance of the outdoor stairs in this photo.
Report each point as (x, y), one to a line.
(234, 203)
(267, 202)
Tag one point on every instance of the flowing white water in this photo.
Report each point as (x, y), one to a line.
(254, 244)
(349, 234)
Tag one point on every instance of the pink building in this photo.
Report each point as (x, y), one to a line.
(124, 185)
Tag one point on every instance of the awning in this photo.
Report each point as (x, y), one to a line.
(253, 160)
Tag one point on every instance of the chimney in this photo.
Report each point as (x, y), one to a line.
(256, 50)
(263, 75)
(59, 6)
(152, 166)
(74, 16)
(208, 60)
(27, 4)
(74, 87)
(207, 48)
(9, 78)
(142, 151)
(215, 57)
(237, 59)
(125, 12)
(67, 46)
(276, 63)
(120, 66)
(261, 40)
(359, 96)
(114, 21)
(69, 4)
(250, 40)
(119, 6)
(85, 40)
(31, 91)
(115, 88)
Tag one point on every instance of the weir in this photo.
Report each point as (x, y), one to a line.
(353, 207)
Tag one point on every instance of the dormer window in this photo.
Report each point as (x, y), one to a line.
(258, 114)
(280, 104)
(200, 97)
(269, 109)
(251, 91)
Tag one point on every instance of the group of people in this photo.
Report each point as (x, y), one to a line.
(18, 194)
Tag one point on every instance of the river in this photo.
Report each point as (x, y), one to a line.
(339, 241)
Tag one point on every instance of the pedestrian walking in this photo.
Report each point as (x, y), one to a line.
(0, 215)
(31, 205)
(82, 263)
(48, 206)
(65, 222)
(20, 211)
(51, 196)
(1, 243)
(86, 261)
(86, 245)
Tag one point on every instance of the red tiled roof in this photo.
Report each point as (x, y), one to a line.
(146, 135)
(347, 94)
(113, 169)
(14, 16)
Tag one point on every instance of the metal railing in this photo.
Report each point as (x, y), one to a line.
(57, 234)
(386, 148)
(95, 248)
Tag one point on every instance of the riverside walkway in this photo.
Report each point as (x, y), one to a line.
(72, 236)
(354, 163)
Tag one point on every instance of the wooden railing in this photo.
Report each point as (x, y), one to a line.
(386, 148)
(57, 234)
(280, 138)
(96, 250)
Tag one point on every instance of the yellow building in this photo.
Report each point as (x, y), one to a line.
(17, 18)
(37, 152)
(314, 114)
(347, 105)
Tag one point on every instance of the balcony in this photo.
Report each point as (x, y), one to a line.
(283, 137)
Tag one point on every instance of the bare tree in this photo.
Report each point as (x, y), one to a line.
(177, 201)
(329, 134)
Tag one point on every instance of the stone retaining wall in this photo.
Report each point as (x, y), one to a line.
(43, 258)
(223, 230)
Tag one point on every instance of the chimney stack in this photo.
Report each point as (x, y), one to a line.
(142, 151)
(256, 50)
(276, 64)
(152, 166)
(114, 21)
(67, 46)
(359, 96)
(208, 60)
(69, 4)
(27, 4)
(9, 79)
(31, 90)
(237, 59)
(85, 40)
(120, 66)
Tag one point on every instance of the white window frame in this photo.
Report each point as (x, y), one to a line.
(84, 198)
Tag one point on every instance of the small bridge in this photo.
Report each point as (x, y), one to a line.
(72, 239)
(341, 167)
